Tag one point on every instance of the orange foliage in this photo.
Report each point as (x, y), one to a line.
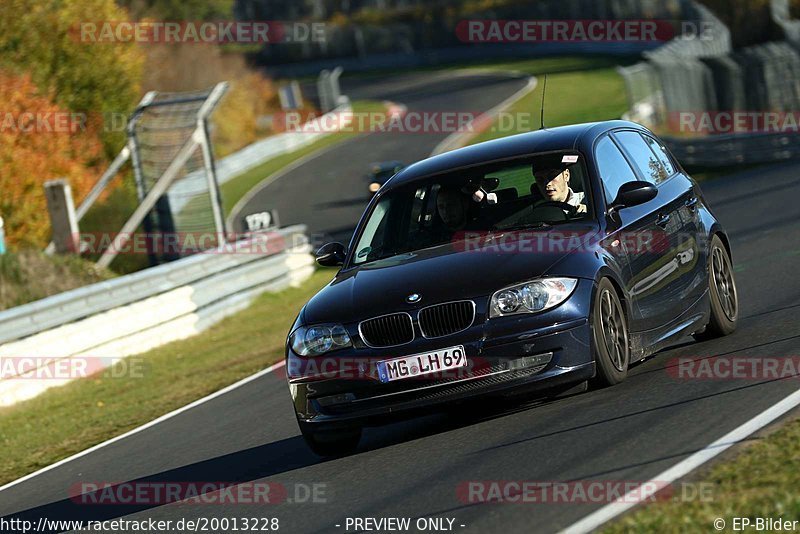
(40, 141)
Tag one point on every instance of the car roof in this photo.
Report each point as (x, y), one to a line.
(579, 137)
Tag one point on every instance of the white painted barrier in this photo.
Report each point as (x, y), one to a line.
(105, 322)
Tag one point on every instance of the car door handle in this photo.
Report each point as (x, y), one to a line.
(663, 220)
(692, 203)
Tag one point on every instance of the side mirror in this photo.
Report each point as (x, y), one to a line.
(331, 255)
(633, 194)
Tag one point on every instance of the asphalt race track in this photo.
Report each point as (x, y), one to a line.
(631, 432)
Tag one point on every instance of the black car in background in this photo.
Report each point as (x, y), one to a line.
(379, 174)
(529, 264)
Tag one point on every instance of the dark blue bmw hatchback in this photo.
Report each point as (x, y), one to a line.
(531, 264)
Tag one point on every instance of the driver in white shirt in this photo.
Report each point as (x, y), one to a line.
(554, 186)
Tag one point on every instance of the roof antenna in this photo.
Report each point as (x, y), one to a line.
(544, 92)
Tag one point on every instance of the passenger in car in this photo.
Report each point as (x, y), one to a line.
(452, 206)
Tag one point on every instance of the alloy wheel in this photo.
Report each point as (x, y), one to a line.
(723, 282)
(615, 332)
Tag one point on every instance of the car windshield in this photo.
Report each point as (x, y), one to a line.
(537, 192)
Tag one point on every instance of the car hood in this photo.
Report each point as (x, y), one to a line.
(459, 270)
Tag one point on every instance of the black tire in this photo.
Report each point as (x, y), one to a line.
(329, 441)
(612, 352)
(722, 293)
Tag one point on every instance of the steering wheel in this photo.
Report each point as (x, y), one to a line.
(568, 210)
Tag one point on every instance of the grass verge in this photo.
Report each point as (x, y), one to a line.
(30, 275)
(557, 64)
(572, 97)
(65, 420)
(762, 480)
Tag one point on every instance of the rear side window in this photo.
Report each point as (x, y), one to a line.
(614, 168)
(645, 159)
(661, 154)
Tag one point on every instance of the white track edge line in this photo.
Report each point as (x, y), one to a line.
(681, 469)
(145, 426)
(457, 139)
(280, 173)
(294, 165)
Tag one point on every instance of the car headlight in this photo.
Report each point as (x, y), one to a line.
(319, 339)
(531, 297)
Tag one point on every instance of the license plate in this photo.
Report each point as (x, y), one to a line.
(421, 364)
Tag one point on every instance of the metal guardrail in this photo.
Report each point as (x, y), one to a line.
(22, 321)
(137, 312)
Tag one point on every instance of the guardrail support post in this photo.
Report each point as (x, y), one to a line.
(63, 220)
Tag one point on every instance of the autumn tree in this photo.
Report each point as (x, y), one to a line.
(179, 9)
(40, 141)
(43, 38)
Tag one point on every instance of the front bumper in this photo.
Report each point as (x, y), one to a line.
(522, 353)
